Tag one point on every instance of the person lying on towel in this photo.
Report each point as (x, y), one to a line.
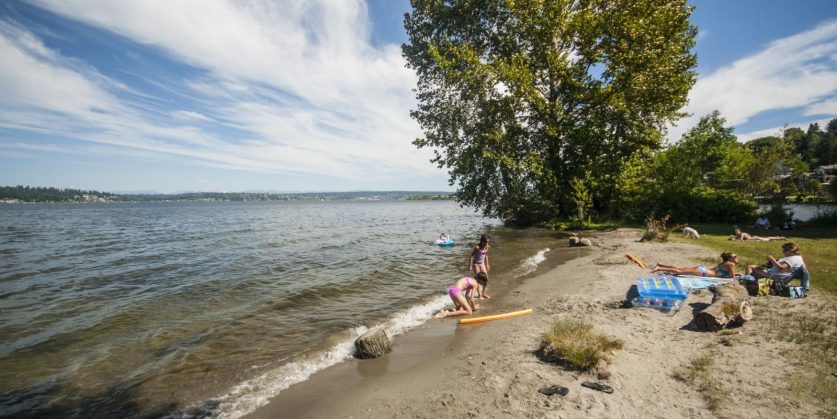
(726, 269)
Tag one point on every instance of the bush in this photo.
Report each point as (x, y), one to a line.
(573, 342)
(656, 230)
(697, 205)
(777, 214)
(824, 218)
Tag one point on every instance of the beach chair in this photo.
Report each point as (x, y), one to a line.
(801, 273)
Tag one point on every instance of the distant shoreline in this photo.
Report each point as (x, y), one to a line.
(18, 195)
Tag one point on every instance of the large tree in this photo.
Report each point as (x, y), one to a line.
(519, 98)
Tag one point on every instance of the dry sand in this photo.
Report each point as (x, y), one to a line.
(490, 370)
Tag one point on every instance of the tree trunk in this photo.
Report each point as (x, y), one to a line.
(372, 344)
(730, 305)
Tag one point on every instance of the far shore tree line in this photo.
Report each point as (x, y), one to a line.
(22, 193)
(550, 111)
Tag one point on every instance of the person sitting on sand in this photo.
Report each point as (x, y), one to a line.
(779, 269)
(462, 293)
(742, 236)
(726, 269)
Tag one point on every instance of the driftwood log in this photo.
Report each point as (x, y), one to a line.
(730, 305)
(372, 344)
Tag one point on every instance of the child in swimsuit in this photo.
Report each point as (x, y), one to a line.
(726, 269)
(478, 262)
(462, 294)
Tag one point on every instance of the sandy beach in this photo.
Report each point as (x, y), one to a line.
(667, 368)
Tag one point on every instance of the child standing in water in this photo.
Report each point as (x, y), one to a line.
(478, 262)
(462, 294)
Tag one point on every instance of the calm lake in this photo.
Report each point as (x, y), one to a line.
(210, 308)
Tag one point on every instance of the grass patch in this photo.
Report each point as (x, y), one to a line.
(818, 245)
(574, 342)
(697, 373)
(817, 334)
(814, 331)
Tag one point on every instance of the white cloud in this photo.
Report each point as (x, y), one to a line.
(190, 115)
(299, 81)
(793, 72)
(825, 107)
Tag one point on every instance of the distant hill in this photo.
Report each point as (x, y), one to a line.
(47, 194)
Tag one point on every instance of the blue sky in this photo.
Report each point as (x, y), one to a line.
(312, 95)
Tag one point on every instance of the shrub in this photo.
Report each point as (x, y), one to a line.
(574, 343)
(696, 205)
(656, 230)
(823, 218)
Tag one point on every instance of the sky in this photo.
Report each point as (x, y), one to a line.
(305, 96)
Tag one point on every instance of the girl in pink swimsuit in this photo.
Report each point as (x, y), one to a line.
(478, 262)
(462, 294)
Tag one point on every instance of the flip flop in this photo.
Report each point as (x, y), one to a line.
(598, 386)
(556, 389)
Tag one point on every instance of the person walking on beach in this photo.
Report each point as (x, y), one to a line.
(478, 262)
(726, 269)
(462, 293)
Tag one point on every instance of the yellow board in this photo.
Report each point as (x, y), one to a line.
(636, 260)
(495, 316)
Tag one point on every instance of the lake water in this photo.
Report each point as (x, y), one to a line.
(804, 212)
(211, 308)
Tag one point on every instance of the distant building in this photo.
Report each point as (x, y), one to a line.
(826, 173)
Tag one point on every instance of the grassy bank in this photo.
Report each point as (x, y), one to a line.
(818, 245)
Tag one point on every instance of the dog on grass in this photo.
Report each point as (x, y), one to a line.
(691, 233)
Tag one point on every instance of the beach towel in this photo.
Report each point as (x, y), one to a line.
(700, 282)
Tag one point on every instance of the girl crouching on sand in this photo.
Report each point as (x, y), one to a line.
(462, 293)
(726, 269)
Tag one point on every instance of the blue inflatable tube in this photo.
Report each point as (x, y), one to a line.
(445, 243)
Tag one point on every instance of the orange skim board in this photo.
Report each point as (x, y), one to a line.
(636, 260)
(495, 316)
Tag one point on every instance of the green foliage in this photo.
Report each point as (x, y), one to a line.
(518, 98)
(695, 180)
(582, 199)
(825, 218)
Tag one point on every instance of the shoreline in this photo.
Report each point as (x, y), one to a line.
(490, 369)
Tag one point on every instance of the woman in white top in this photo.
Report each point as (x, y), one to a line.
(779, 269)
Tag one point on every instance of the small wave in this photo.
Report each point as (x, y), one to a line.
(248, 396)
(531, 263)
